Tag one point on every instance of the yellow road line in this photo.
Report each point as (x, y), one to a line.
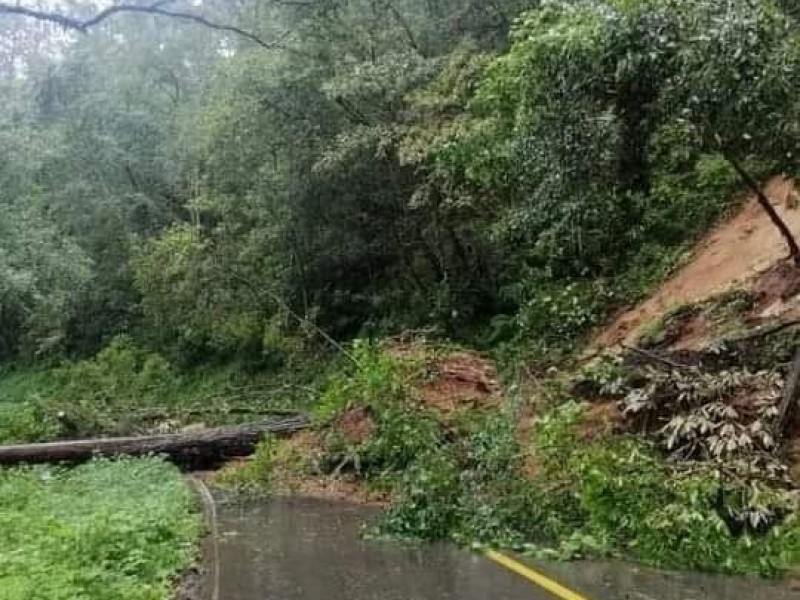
(539, 579)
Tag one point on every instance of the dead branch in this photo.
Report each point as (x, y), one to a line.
(763, 332)
(653, 357)
(157, 8)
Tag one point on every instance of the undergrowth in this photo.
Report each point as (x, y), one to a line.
(105, 530)
(608, 497)
(558, 492)
(126, 389)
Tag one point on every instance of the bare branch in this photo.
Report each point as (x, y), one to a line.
(58, 19)
(412, 40)
(157, 8)
(653, 357)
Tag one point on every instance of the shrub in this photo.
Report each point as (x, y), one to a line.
(373, 377)
(23, 415)
(99, 394)
(612, 496)
(470, 491)
(258, 474)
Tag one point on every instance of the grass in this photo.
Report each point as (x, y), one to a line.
(107, 530)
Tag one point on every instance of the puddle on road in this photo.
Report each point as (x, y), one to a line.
(307, 549)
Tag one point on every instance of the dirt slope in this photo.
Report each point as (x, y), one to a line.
(737, 250)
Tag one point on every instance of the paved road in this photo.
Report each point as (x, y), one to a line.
(300, 549)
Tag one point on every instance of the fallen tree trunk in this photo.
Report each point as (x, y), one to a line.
(195, 447)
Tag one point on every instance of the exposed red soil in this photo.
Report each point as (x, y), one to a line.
(602, 419)
(776, 291)
(738, 250)
(460, 380)
(355, 425)
(695, 333)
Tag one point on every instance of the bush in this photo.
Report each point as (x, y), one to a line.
(470, 491)
(23, 415)
(98, 395)
(255, 476)
(613, 496)
(26, 422)
(373, 377)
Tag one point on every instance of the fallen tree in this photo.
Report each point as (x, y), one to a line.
(192, 447)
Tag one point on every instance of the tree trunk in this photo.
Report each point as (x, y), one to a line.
(194, 448)
(749, 180)
(791, 396)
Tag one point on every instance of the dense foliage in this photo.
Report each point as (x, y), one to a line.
(563, 488)
(505, 172)
(126, 390)
(106, 530)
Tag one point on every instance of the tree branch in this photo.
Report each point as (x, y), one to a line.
(755, 187)
(653, 357)
(157, 8)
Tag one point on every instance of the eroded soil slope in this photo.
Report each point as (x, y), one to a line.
(737, 250)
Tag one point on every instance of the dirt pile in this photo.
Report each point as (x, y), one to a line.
(734, 253)
(459, 381)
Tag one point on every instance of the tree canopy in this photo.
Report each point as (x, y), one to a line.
(217, 177)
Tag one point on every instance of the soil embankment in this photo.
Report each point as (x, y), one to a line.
(736, 251)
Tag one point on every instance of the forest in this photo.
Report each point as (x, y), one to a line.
(212, 204)
(503, 173)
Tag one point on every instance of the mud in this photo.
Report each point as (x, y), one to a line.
(738, 250)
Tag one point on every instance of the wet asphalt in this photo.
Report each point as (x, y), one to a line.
(307, 549)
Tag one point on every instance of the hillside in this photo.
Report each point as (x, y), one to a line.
(743, 252)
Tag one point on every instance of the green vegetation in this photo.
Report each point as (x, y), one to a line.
(504, 175)
(604, 497)
(125, 389)
(562, 491)
(105, 530)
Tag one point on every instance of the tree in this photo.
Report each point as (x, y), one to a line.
(735, 81)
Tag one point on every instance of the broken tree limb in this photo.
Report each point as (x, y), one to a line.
(765, 331)
(154, 414)
(790, 399)
(653, 357)
(194, 447)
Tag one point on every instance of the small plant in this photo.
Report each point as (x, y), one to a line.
(257, 475)
(375, 377)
